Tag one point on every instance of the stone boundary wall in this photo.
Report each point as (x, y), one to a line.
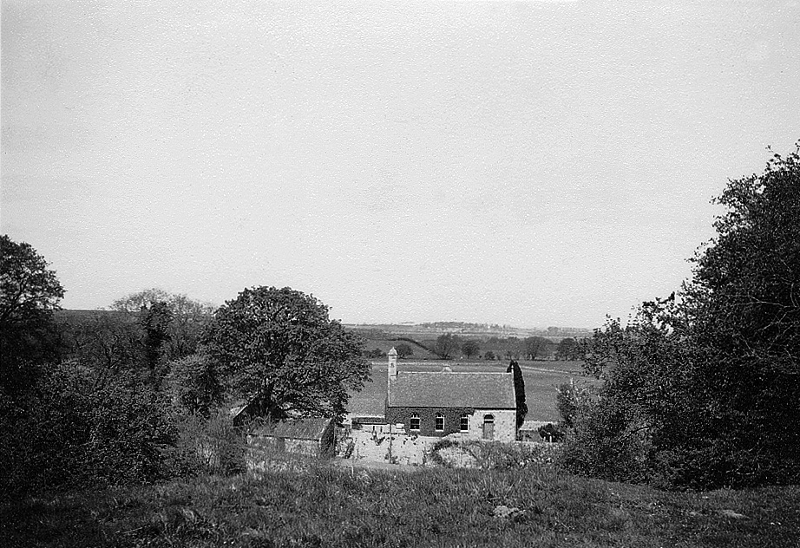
(375, 446)
(399, 447)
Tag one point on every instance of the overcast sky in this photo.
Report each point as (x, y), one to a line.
(526, 163)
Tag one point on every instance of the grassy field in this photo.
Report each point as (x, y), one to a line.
(541, 379)
(318, 505)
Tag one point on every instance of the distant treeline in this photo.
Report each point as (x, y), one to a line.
(453, 346)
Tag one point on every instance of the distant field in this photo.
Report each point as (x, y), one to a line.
(541, 380)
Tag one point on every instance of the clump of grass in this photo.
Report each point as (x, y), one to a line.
(322, 505)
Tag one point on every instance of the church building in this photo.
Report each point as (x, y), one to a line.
(466, 404)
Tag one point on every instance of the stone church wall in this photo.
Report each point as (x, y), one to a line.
(505, 425)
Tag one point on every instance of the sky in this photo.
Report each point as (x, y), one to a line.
(522, 163)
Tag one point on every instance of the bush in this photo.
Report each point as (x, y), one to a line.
(551, 432)
(207, 446)
(71, 430)
(603, 444)
(196, 384)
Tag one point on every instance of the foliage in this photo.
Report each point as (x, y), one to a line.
(536, 346)
(511, 348)
(207, 445)
(279, 348)
(155, 322)
(570, 401)
(107, 342)
(29, 293)
(519, 391)
(447, 345)
(374, 354)
(404, 350)
(488, 355)
(701, 388)
(196, 384)
(607, 443)
(72, 429)
(470, 348)
(551, 432)
(568, 349)
(112, 341)
(743, 310)
(188, 317)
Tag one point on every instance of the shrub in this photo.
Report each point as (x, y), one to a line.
(551, 432)
(70, 429)
(603, 443)
(195, 382)
(207, 446)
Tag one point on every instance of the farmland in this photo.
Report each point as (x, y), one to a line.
(541, 380)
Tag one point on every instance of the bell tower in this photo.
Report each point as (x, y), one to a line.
(392, 354)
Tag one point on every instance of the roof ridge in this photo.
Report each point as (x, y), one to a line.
(458, 372)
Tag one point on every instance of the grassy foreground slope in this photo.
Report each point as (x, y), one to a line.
(323, 505)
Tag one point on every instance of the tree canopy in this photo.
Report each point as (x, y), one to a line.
(701, 388)
(536, 346)
(187, 317)
(568, 349)
(29, 293)
(278, 347)
(404, 350)
(470, 348)
(447, 345)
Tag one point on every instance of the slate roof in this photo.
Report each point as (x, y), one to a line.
(298, 429)
(448, 389)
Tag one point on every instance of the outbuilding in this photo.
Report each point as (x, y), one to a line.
(313, 437)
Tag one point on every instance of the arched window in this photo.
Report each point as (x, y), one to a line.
(439, 422)
(414, 423)
(488, 427)
(465, 422)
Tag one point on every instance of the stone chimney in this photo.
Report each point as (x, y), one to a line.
(392, 354)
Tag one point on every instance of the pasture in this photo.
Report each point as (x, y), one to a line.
(541, 380)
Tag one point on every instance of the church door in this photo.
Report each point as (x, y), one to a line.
(488, 427)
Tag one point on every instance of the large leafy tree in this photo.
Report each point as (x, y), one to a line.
(29, 293)
(743, 310)
(187, 317)
(107, 342)
(568, 349)
(470, 348)
(196, 384)
(447, 345)
(536, 346)
(404, 351)
(701, 388)
(279, 348)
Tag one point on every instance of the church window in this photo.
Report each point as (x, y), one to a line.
(465, 422)
(415, 421)
(439, 422)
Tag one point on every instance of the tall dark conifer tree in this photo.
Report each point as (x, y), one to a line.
(519, 389)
